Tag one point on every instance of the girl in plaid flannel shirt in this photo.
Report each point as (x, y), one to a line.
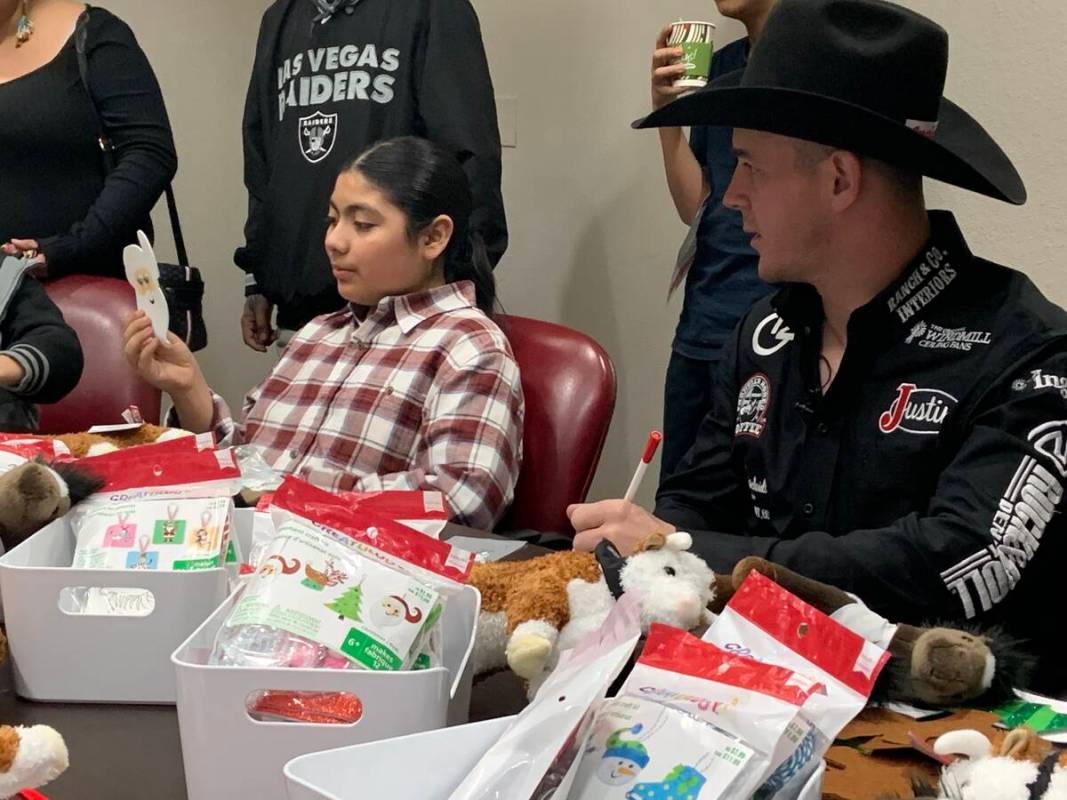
(412, 386)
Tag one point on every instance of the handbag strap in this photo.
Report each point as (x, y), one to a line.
(176, 227)
(81, 33)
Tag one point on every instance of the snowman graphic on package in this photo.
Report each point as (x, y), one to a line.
(624, 759)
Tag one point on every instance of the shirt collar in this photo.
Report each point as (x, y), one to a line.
(408, 311)
(934, 272)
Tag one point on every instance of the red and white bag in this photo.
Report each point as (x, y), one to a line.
(760, 703)
(427, 512)
(374, 534)
(765, 622)
(186, 467)
(341, 587)
(18, 448)
(163, 507)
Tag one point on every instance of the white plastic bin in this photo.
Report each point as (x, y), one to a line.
(426, 766)
(434, 763)
(229, 754)
(79, 658)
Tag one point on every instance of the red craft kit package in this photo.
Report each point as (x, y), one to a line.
(758, 702)
(765, 622)
(340, 587)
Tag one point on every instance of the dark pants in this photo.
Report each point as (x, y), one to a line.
(686, 401)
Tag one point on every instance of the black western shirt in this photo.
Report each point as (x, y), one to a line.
(929, 477)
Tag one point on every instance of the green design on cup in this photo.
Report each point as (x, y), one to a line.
(698, 57)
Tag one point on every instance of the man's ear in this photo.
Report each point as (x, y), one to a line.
(848, 178)
(435, 237)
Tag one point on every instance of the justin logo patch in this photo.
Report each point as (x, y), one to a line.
(915, 410)
(753, 402)
(317, 134)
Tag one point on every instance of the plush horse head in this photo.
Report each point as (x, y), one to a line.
(675, 585)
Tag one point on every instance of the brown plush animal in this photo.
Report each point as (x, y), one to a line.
(35, 493)
(533, 609)
(937, 666)
(29, 757)
(94, 444)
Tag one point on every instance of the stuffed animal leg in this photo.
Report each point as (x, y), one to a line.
(30, 757)
(939, 666)
(524, 605)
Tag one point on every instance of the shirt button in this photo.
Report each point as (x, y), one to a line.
(809, 509)
(293, 454)
(387, 390)
(822, 429)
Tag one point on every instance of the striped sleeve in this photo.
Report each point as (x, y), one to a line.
(35, 368)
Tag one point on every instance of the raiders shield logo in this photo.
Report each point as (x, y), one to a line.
(317, 134)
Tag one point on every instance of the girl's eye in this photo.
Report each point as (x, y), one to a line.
(363, 227)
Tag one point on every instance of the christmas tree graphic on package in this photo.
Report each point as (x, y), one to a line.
(314, 585)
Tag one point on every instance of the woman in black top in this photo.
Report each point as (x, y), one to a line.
(57, 200)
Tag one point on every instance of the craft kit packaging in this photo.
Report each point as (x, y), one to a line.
(121, 640)
(538, 755)
(765, 622)
(383, 769)
(213, 707)
(759, 703)
(643, 749)
(425, 511)
(339, 586)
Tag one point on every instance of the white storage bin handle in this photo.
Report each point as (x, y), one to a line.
(252, 697)
(113, 602)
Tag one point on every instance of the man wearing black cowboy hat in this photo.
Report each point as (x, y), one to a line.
(893, 420)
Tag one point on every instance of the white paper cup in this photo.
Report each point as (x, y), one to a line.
(696, 39)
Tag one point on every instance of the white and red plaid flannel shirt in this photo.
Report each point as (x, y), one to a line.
(423, 393)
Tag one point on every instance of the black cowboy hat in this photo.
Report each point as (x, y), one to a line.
(862, 75)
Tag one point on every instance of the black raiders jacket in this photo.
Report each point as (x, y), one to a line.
(320, 93)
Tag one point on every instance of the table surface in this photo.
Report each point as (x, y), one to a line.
(134, 751)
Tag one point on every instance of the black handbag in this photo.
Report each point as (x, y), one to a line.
(181, 283)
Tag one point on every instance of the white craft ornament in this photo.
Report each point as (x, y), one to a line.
(142, 271)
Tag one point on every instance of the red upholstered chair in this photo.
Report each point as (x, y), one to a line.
(569, 385)
(96, 308)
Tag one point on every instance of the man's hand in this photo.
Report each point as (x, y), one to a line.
(255, 323)
(625, 524)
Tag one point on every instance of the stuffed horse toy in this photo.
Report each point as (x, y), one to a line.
(531, 610)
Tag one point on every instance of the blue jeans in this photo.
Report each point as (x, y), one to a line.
(686, 401)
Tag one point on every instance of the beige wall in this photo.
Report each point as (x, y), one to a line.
(202, 51)
(593, 232)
